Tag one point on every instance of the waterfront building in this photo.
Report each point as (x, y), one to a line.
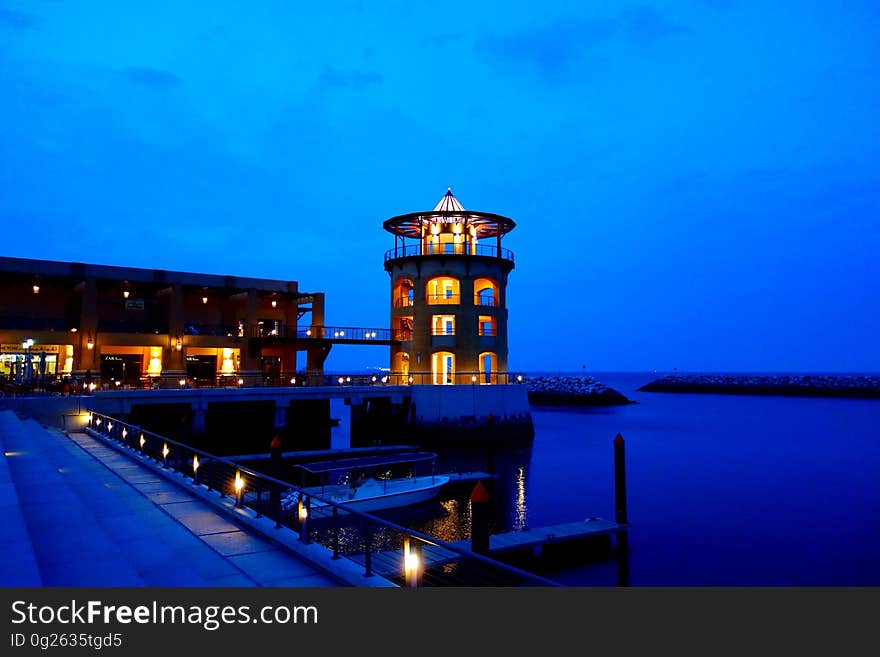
(126, 327)
(448, 294)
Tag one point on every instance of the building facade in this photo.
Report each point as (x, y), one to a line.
(448, 295)
(128, 327)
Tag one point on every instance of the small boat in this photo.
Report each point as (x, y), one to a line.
(369, 493)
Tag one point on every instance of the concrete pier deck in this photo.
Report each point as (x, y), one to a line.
(79, 513)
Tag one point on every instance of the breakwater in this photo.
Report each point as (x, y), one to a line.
(796, 385)
(572, 391)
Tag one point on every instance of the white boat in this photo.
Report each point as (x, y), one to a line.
(370, 493)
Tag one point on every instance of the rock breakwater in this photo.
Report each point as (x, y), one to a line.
(572, 391)
(795, 385)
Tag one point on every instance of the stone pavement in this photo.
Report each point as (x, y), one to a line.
(90, 516)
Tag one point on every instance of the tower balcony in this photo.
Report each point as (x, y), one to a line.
(449, 249)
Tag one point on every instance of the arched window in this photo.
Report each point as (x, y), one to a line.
(443, 290)
(488, 367)
(485, 292)
(402, 293)
(443, 368)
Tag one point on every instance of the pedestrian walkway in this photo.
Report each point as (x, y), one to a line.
(94, 517)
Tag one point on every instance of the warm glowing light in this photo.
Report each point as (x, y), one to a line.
(90, 345)
(410, 379)
(179, 345)
(227, 365)
(519, 378)
(384, 379)
(411, 562)
(92, 387)
(73, 330)
(36, 289)
(124, 432)
(274, 303)
(473, 379)
(342, 334)
(341, 380)
(308, 332)
(241, 382)
(204, 299)
(195, 462)
(182, 382)
(303, 513)
(373, 379)
(165, 451)
(98, 421)
(116, 383)
(155, 365)
(348, 379)
(239, 482)
(293, 381)
(125, 294)
(109, 426)
(142, 441)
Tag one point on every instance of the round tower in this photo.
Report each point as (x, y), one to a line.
(448, 295)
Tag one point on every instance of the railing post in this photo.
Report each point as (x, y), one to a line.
(335, 532)
(368, 554)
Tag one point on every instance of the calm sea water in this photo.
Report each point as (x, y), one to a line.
(723, 489)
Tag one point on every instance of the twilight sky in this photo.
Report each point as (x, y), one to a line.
(696, 184)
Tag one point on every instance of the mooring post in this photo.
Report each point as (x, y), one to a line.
(480, 519)
(620, 480)
(620, 516)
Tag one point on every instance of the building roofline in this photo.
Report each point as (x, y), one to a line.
(50, 268)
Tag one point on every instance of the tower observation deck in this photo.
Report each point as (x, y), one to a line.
(448, 294)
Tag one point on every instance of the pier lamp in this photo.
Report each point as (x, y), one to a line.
(165, 452)
(92, 387)
(109, 427)
(348, 379)
(340, 380)
(519, 378)
(204, 300)
(196, 468)
(98, 421)
(90, 344)
(293, 381)
(302, 513)
(373, 379)
(412, 563)
(410, 380)
(124, 432)
(239, 487)
(142, 442)
(125, 294)
(241, 382)
(473, 379)
(309, 332)
(182, 383)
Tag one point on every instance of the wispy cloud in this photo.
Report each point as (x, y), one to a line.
(17, 20)
(151, 77)
(553, 48)
(357, 80)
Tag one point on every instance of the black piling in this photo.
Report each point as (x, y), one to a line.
(620, 515)
(480, 519)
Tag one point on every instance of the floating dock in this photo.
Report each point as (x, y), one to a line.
(389, 563)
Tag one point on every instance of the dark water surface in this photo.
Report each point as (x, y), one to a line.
(723, 489)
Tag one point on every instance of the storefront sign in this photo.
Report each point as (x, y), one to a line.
(36, 349)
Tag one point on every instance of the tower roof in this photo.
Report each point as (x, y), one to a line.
(448, 203)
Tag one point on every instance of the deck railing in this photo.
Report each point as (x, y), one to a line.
(368, 540)
(449, 249)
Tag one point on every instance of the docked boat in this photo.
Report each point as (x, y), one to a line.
(360, 488)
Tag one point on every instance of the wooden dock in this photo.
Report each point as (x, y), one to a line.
(389, 564)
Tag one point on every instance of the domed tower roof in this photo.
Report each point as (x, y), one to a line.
(448, 203)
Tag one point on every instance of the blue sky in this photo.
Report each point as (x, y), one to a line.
(695, 183)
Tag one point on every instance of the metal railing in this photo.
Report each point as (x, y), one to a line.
(373, 542)
(342, 333)
(402, 302)
(443, 299)
(430, 248)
